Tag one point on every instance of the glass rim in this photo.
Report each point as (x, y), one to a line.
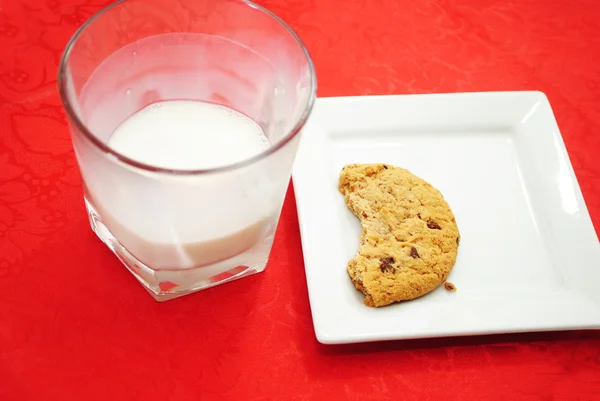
(81, 126)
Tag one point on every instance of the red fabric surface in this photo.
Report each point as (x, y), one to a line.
(75, 325)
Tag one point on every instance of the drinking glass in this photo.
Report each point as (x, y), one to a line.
(179, 231)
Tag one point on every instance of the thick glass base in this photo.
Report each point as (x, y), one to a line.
(166, 284)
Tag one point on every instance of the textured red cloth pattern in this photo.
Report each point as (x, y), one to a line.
(75, 325)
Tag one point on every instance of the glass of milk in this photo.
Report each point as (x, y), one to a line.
(185, 118)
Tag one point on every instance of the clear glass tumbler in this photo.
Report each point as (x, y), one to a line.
(181, 230)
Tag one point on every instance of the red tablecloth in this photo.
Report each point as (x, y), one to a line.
(75, 325)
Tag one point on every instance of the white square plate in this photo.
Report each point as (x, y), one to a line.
(529, 258)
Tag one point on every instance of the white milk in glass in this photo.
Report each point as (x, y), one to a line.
(188, 135)
(185, 135)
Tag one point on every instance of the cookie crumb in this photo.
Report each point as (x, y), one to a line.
(449, 286)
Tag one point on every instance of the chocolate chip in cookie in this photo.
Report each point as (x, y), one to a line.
(433, 225)
(414, 253)
(387, 265)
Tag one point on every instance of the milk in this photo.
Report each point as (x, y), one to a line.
(188, 135)
(186, 221)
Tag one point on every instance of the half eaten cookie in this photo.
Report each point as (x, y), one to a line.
(409, 240)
